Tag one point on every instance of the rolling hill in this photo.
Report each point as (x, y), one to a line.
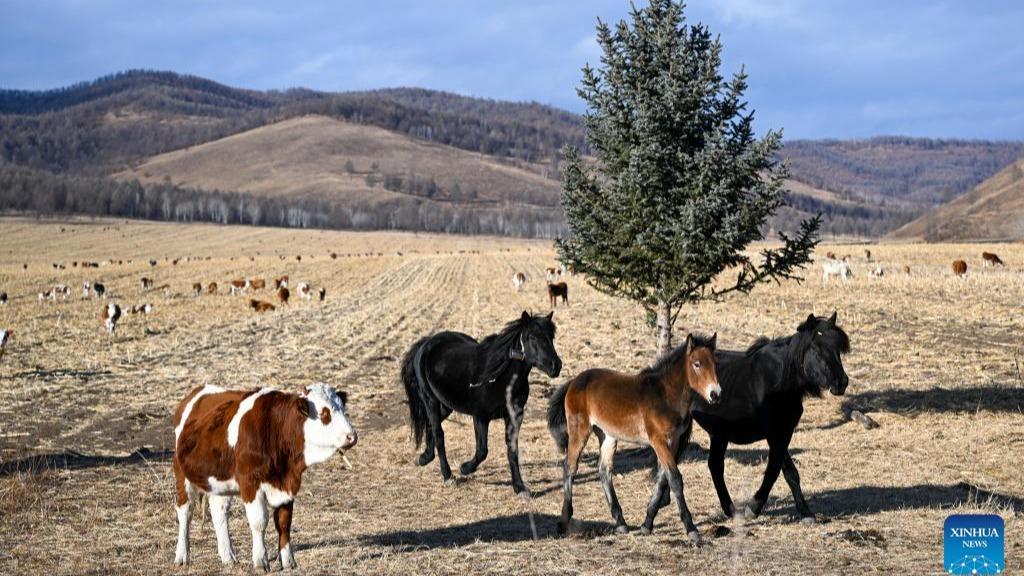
(993, 210)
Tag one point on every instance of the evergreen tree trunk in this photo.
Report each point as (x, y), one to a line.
(664, 328)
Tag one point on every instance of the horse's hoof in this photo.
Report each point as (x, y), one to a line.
(466, 469)
(646, 530)
(423, 460)
(748, 513)
(622, 529)
(694, 536)
(809, 521)
(449, 481)
(525, 494)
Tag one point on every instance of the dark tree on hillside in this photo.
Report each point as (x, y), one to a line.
(682, 186)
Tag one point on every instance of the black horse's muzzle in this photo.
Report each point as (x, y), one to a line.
(552, 369)
(839, 388)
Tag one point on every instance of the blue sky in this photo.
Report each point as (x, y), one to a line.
(818, 68)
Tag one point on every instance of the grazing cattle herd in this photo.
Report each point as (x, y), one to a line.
(257, 444)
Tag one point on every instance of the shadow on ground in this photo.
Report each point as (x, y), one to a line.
(939, 400)
(875, 499)
(72, 460)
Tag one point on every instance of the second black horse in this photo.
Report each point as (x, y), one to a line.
(451, 371)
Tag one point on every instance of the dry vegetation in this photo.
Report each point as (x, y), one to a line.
(85, 479)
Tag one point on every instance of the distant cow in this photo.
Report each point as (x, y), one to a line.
(305, 291)
(960, 268)
(283, 294)
(552, 274)
(211, 288)
(61, 291)
(518, 281)
(906, 269)
(111, 314)
(991, 259)
(5, 337)
(3, 298)
(152, 262)
(146, 309)
(99, 290)
(197, 288)
(281, 282)
(147, 283)
(561, 289)
(257, 283)
(238, 286)
(867, 255)
(261, 306)
(876, 271)
(254, 444)
(839, 268)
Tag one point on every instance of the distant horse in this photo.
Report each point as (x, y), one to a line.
(992, 259)
(867, 255)
(960, 268)
(551, 274)
(838, 268)
(556, 290)
(518, 281)
(762, 399)
(451, 371)
(651, 408)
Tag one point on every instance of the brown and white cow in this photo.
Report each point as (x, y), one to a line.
(211, 288)
(518, 281)
(238, 286)
(111, 314)
(305, 290)
(255, 444)
(5, 337)
(256, 283)
(281, 282)
(283, 294)
(197, 288)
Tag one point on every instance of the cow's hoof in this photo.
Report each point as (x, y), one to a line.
(622, 529)
(261, 564)
(694, 536)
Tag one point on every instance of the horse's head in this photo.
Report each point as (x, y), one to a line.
(536, 344)
(700, 367)
(824, 343)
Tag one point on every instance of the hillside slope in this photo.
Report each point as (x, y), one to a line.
(993, 210)
(328, 159)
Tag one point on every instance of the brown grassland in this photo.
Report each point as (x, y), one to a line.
(85, 437)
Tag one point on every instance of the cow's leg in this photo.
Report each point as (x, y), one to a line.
(604, 470)
(716, 464)
(187, 495)
(256, 513)
(219, 506)
(283, 523)
(513, 423)
(480, 426)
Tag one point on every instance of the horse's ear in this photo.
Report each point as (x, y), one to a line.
(551, 314)
(714, 341)
(525, 317)
(689, 343)
(832, 319)
(808, 324)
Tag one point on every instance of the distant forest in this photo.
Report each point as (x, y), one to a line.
(25, 190)
(72, 138)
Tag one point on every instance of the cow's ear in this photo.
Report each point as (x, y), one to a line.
(302, 405)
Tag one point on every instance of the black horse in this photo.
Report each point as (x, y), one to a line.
(451, 371)
(762, 399)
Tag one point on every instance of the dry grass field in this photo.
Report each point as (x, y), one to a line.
(85, 437)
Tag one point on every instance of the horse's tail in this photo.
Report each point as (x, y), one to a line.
(411, 380)
(556, 417)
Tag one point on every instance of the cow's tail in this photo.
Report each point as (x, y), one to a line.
(411, 379)
(556, 417)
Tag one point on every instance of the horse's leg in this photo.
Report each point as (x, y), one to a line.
(604, 470)
(776, 455)
(428, 450)
(716, 464)
(792, 476)
(435, 415)
(656, 502)
(513, 424)
(480, 429)
(666, 458)
(579, 432)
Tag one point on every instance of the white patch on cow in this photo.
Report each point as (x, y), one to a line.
(256, 513)
(243, 408)
(208, 389)
(227, 487)
(275, 496)
(287, 560)
(219, 506)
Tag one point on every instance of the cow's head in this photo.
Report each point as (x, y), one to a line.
(326, 428)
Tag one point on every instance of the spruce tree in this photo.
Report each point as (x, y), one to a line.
(679, 185)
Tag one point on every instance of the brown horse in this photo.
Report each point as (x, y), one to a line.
(651, 408)
(556, 290)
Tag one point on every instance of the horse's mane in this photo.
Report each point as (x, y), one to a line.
(498, 345)
(665, 363)
(795, 345)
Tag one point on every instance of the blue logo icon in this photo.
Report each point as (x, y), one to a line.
(973, 544)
